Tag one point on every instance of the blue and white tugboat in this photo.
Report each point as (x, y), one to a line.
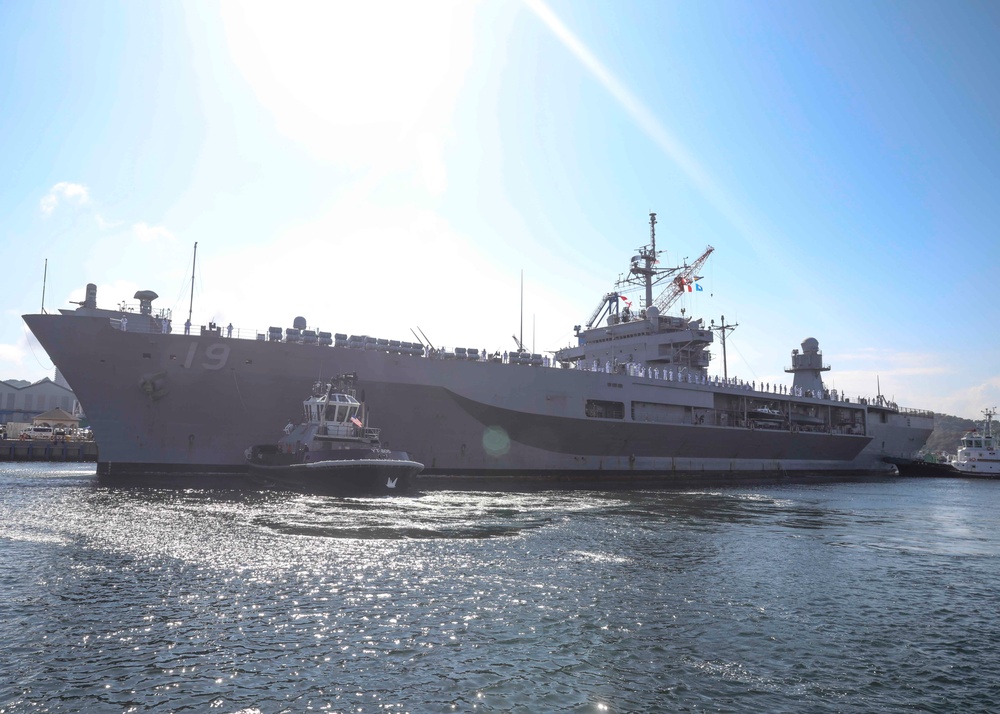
(332, 451)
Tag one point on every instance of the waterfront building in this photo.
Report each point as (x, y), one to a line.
(22, 401)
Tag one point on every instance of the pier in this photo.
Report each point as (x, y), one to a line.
(35, 450)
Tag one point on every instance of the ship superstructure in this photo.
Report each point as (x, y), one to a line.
(628, 338)
(632, 402)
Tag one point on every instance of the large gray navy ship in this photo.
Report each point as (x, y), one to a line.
(631, 403)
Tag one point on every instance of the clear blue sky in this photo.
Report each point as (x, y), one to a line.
(381, 166)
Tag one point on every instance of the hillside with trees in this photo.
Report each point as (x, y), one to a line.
(947, 432)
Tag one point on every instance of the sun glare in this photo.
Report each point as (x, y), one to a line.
(647, 121)
(351, 79)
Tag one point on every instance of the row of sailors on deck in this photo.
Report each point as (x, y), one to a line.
(636, 369)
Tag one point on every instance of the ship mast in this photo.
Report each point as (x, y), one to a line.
(193, 261)
(45, 279)
(724, 330)
(650, 259)
(647, 255)
(645, 272)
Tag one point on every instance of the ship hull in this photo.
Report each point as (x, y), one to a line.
(340, 477)
(180, 404)
(919, 467)
(975, 470)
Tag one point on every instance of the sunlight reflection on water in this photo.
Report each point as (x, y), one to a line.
(851, 597)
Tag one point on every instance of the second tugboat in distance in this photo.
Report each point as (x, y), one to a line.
(978, 454)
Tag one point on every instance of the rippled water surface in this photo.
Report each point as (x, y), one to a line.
(861, 597)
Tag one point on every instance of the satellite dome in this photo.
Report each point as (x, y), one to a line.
(810, 344)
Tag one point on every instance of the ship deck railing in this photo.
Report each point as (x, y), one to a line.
(916, 412)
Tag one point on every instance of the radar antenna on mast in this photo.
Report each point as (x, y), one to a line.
(645, 272)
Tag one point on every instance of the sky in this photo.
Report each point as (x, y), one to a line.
(380, 167)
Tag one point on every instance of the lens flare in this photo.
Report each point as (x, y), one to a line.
(495, 441)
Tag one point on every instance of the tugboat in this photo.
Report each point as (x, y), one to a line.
(332, 451)
(978, 454)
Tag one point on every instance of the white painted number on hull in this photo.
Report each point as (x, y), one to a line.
(215, 356)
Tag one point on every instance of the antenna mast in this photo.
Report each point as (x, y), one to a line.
(193, 261)
(723, 330)
(652, 255)
(644, 271)
(520, 342)
(45, 277)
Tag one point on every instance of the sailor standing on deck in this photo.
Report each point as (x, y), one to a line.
(187, 326)
(124, 324)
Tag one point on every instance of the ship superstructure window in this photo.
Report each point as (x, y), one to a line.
(600, 409)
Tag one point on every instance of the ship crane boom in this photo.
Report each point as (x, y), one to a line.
(676, 287)
(609, 302)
